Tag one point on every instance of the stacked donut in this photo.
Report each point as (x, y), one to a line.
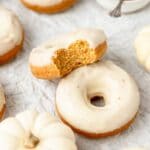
(72, 57)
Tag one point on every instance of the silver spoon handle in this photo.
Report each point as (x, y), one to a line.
(116, 12)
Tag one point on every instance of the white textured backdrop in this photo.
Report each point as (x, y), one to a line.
(24, 91)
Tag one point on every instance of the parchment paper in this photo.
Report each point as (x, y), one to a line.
(23, 91)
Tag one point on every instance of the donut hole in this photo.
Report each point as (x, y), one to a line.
(98, 101)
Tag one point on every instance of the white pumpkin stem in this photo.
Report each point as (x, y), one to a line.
(31, 141)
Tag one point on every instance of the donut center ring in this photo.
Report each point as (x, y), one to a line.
(97, 101)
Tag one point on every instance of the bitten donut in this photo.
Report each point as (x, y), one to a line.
(2, 102)
(142, 46)
(76, 91)
(11, 35)
(31, 130)
(48, 6)
(61, 55)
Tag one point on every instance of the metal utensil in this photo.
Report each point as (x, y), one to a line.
(116, 12)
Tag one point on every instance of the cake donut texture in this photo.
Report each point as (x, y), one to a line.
(105, 79)
(2, 102)
(11, 35)
(48, 6)
(31, 130)
(60, 56)
(142, 46)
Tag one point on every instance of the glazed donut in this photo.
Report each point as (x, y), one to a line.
(142, 46)
(11, 35)
(48, 6)
(2, 102)
(63, 54)
(105, 79)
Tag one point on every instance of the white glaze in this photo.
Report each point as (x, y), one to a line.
(46, 51)
(105, 79)
(10, 31)
(43, 2)
(142, 45)
(53, 134)
(128, 6)
(2, 98)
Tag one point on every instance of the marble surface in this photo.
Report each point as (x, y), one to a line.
(24, 91)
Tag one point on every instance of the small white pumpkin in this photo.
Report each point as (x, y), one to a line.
(31, 130)
(142, 46)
